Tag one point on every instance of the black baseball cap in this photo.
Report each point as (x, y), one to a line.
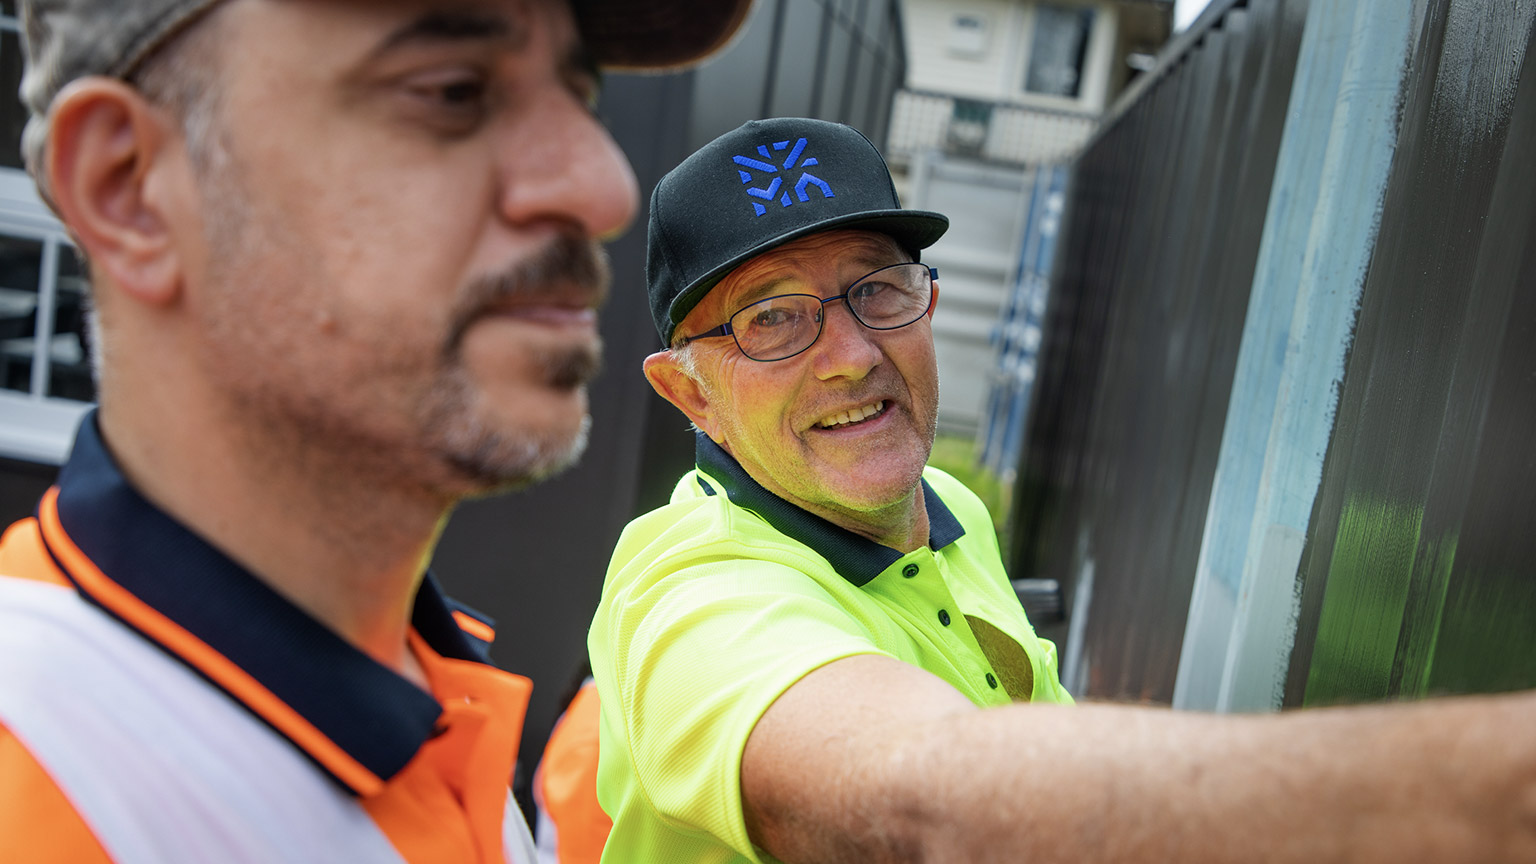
(760, 186)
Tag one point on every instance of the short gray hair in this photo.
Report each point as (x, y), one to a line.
(686, 356)
(181, 74)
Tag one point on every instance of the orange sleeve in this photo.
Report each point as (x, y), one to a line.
(570, 782)
(37, 823)
(23, 555)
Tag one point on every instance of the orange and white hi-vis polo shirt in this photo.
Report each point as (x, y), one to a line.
(159, 704)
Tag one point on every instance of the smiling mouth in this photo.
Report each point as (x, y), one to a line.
(852, 417)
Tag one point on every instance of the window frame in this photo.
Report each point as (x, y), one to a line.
(1089, 87)
(34, 426)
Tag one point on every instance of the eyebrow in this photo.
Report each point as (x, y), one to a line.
(877, 261)
(764, 290)
(448, 26)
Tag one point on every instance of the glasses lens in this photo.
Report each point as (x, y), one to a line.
(778, 327)
(892, 297)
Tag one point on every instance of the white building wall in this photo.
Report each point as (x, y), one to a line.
(944, 57)
(979, 50)
(941, 60)
(977, 259)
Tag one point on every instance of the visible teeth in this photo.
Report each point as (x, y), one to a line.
(845, 417)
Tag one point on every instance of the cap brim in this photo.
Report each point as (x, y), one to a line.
(915, 230)
(628, 35)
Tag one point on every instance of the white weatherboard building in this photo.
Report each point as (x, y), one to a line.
(994, 89)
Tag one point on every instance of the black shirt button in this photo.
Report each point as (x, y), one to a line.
(944, 617)
(909, 571)
(991, 681)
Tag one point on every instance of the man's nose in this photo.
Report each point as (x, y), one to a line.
(562, 164)
(846, 348)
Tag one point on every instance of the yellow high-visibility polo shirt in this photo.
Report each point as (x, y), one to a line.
(720, 601)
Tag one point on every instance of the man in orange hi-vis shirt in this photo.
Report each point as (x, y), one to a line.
(345, 266)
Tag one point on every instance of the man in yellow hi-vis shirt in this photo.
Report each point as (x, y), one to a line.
(812, 653)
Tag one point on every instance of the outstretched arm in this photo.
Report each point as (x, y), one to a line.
(871, 759)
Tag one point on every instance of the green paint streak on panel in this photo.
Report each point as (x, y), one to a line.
(1426, 610)
(1487, 642)
(1369, 578)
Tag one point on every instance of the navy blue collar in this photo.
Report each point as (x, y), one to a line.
(855, 558)
(373, 714)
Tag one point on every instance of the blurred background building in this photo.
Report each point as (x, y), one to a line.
(995, 90)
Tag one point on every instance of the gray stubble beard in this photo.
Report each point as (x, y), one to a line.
(492, 456)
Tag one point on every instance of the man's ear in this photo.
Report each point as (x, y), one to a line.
(677, 386)
(933, 301)
(103, 166)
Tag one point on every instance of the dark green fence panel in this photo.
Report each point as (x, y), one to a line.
(1415, 572)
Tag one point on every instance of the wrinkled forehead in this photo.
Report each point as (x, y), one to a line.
(822, 263)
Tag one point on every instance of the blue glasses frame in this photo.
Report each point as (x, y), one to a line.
(727, 330)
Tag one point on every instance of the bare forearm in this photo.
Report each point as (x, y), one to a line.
(1438, 783)
(1453, 780)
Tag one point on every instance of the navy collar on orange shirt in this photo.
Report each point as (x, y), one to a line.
(855, 558)
(358, 720)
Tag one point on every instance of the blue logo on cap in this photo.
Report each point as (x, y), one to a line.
(766, 165)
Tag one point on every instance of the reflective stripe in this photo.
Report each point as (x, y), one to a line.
(162, 767)
(517, 840)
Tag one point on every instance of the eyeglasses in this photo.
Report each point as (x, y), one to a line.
(777, 328)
